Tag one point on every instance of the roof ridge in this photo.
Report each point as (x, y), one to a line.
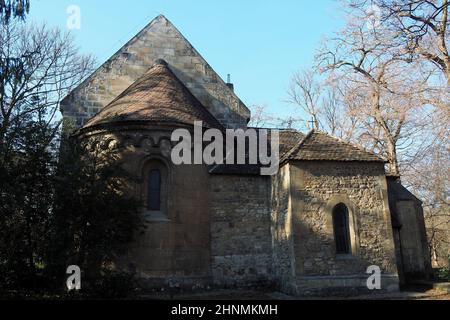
(351, 144)
(120, 96)
(297, 147)
(67, 105)
(279, 129)
(321, 146)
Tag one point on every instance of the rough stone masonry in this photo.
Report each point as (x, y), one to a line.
(313, 228)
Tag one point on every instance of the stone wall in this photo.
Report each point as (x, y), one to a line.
(316, 187)
(411, 244)
(235, 231)
(414, 261)
(241, 245)
(176, 244)
(159, 40)
(414, 249)
(282, 239)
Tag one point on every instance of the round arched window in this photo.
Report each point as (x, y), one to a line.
(341, 229)
(154, 190)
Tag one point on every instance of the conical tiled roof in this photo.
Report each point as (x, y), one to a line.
(157, 96)
(160, 39)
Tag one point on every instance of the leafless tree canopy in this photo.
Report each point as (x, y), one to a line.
(420, 28)
(13, 9)
(306, 92)
(262, 118)
(383, 82)
(38, 67)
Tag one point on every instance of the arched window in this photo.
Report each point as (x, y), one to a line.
(154, 190)
(341, 229)
(155, 187)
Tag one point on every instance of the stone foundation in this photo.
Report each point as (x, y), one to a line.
(343, 285)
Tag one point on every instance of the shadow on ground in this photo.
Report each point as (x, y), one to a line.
(409, 293)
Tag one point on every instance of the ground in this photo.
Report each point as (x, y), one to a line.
(251, 295)
(412, 294)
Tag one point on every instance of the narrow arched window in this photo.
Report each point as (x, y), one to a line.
(154, 190)
(341, 229)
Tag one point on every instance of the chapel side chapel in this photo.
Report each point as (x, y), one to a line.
(315, 227)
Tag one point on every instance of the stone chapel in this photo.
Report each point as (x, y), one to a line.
(315, 227)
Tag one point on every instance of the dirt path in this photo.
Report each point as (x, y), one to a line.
(265, 295)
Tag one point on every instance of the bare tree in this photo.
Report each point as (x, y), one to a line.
(331, 112)
(429, 177)
(13, 8)
(380, 88)
(387, 89)
(391, 71)
(38, 67)
(262, 118)
(306, 91)
(420, 28)
(336, 112)
(319, 100)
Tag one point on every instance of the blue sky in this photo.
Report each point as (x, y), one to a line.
(259, 42)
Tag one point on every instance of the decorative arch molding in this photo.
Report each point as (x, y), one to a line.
(352, 219)
(165, 146)
(127, 141)
(145, 142)
(154, 157)
(163, 140)
(161, 145)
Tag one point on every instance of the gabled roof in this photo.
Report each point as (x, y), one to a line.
(157, 96)
(245, 169)
(289, 139)
(314, 146)
(319, 146)
(160, 39)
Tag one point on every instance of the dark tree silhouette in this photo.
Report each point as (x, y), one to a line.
(14, 8)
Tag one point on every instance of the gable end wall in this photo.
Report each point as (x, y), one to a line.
(159, 40)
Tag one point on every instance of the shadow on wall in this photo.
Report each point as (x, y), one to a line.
(177, 246)
(409, 231)
(314, 264)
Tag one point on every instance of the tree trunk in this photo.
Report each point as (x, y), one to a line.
(393, 159)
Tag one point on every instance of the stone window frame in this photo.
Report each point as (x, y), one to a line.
(156, 180)
(353, 224)
(149, 164)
